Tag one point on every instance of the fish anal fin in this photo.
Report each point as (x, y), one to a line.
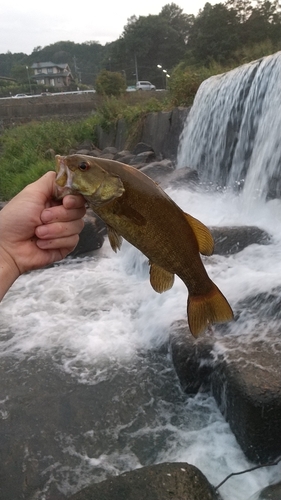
(205, 310)
(115, 239)
(202, 234)
(160, 279)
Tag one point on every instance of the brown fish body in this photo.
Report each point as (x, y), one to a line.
(149, 219)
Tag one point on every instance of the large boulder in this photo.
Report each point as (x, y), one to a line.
(91, 237)
(158, 482)
(271, 492)
(233, 239)
(245, 380)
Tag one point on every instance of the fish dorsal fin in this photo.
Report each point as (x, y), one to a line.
(202, 234)
(115, 239)
(160, 279)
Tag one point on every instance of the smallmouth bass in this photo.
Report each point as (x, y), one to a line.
(134, 207)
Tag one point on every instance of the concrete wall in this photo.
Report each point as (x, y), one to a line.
(160, 130)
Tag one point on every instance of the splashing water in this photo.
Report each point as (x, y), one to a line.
(97, 319)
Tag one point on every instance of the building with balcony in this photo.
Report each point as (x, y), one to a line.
(52, 75)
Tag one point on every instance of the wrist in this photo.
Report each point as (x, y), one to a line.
(9, 272)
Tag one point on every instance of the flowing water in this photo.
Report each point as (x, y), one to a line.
(96, 327)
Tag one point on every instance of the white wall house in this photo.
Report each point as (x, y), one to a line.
(52, 75)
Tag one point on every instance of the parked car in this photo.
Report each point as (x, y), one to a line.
(18, 96)
(131, 88)
(144, 85)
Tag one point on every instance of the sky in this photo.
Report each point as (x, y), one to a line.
(26, 24)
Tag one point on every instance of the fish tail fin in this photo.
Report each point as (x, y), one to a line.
(204, 310)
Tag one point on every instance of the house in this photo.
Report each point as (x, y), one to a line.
(52, 75)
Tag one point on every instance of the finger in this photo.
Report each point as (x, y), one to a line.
(46, 184)
(73, 201)
(60, 213)
(59, 229)
(63, 244)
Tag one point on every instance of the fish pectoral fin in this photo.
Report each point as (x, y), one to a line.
(115, 239)
(111, 187)
(202, 234)
(160, 279)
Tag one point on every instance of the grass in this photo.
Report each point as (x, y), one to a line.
(24, 150)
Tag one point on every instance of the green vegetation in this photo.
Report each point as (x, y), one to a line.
(110, 83)
(27, 150)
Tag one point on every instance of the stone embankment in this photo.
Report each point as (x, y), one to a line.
(60, 106)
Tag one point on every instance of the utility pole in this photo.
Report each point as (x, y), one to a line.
(136, 69)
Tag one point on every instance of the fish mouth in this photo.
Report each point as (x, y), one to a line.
(64, 178)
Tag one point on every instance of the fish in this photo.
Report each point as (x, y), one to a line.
(135, 208)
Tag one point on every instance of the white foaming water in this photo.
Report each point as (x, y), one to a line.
(232, 133)
(96, 315)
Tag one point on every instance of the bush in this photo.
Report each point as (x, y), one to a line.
(184, 84)
(110, 83)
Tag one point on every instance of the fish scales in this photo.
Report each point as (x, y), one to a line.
(134, 207)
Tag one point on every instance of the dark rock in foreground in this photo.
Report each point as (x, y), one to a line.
(230, 240)
(178, 481)
(91, 237)
(245, 381)
(271, 492)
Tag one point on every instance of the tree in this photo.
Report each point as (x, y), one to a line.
(177, 19)
(154, 39)
(110, 83)
(214, 34)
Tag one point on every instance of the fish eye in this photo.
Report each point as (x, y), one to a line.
(83, 166)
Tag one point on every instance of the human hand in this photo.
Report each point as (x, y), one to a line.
(36, 230)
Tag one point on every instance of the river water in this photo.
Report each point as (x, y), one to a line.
(96, 316)
(98, 324)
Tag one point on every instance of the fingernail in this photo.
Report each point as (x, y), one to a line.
(46, 216)
(41, 231)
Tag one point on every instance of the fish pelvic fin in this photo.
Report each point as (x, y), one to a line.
(160, 279)
(204, 310)
(115, 239)
(202, 234)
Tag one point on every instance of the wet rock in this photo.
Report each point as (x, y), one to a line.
(159, 482)
(244, 379)
(109, 150)
(82, 152)
(142, 147)
(230, 240)
(107, 156)
(91, 237)
(182, 176)
(121, 154)
(128, 159)
(271, 492)
(158, 170)
(143, 158)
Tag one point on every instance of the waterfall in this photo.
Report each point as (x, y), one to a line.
(232, 134)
